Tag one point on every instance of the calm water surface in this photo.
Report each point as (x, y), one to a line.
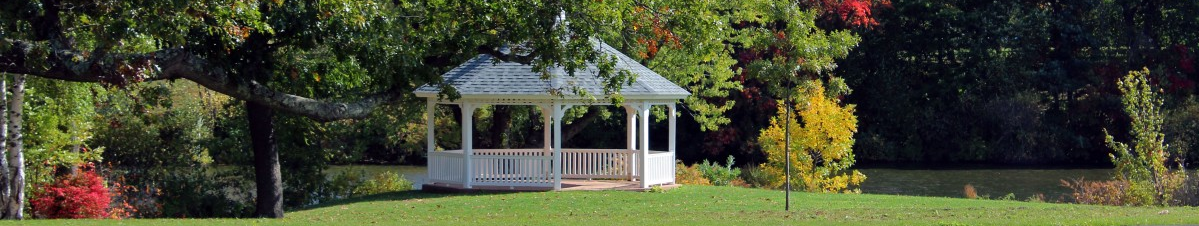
(995, 183)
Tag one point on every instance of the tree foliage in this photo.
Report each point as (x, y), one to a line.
(1012, 82)
(1143, 160)
(81, 195)
(775, 46)
(821, 151)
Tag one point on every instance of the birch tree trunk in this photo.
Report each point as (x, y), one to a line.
(5, 177)
(16, 203)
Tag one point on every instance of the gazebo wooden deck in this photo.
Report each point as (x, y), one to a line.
(567, 185)
(481, 81)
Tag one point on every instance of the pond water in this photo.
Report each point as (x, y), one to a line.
(994, 183)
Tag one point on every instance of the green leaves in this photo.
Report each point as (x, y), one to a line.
(1143, 163)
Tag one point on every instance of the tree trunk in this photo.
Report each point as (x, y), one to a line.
(16, 204)
(269, 181)
(1128, 11)
(570, 130)
(532, 140)
(1149, 29)
(574, 128)
(5, 178)
(501, 120)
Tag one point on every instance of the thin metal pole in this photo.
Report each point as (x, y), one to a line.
(787, 153)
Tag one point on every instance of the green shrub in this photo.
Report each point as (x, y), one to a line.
(690, 175)
(383, 183)
(757, 177)
(1141, 161)
(1036, 198)
(719, 175)
(344, 183)
(656, 189)
(1188, 193)
(1008, 197)
(202, 192)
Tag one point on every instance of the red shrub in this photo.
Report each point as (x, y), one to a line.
(81, 195)
(1112, 193)
(125, 198)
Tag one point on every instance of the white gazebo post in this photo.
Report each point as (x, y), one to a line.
(558, 112)
(631, 136)
(546, 117)
(644, 134)
(670, 115)
(430, 122)
(468, 152)
(671, 123)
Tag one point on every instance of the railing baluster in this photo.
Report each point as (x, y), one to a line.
(521, 167)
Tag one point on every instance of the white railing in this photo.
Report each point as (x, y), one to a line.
(533, 167)
(446, 167)
(513, 152)
(513, 170)
(660, 168)
(597, 163)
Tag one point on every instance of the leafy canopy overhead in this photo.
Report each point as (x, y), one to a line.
(338, 59)
(372, 51)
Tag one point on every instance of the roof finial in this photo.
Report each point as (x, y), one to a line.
(560, 22)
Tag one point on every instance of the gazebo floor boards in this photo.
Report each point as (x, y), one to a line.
(567, 185)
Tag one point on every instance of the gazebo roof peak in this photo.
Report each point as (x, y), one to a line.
(481, 77)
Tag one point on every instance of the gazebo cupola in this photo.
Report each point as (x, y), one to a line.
(482, 81)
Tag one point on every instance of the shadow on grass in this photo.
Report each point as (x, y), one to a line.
(404, 195)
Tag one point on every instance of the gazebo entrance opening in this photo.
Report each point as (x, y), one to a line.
(534, 167)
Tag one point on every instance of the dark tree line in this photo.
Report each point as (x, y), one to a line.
(1025, 82)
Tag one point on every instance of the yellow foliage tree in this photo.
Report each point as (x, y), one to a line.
(1142, 161)
(821, 147)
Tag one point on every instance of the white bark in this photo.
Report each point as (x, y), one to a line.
(16, 203)
(5, 177)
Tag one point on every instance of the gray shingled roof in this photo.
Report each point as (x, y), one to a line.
(481, 78)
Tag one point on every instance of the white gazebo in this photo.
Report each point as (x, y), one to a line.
(484, 81)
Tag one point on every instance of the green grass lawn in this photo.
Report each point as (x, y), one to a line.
(688, 205)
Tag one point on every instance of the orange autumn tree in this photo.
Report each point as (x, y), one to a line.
(821, 147)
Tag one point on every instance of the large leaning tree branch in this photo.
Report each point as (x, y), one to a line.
(168, 64)
(508, 57)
